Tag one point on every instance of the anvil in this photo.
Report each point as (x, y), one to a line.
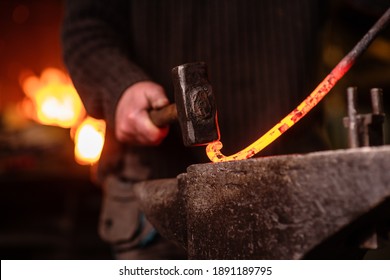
(317, 205)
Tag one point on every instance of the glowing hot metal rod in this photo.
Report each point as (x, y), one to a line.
(213, 149)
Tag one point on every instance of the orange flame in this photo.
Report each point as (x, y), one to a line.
(51, 99)
(89, 141)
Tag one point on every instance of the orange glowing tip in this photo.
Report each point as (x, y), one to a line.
(213, 149)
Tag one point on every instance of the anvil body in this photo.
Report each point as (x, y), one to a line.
(317, 205)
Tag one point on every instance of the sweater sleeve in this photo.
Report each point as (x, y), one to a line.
(96, 53)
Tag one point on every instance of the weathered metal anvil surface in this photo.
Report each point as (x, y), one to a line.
(282, 207)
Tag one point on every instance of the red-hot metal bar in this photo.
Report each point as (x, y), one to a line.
(213, 149)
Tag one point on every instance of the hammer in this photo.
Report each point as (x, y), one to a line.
(194, 106)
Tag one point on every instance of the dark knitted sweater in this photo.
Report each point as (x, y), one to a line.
(261, 56)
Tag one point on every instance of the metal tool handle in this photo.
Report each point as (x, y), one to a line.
(164, 116)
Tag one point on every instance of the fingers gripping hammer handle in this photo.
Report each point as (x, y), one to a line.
(164, 116)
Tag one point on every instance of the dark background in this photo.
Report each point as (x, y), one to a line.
(49, 207)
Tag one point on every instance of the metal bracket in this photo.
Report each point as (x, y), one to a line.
(365, 129)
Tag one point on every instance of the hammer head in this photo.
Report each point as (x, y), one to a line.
(195, 104)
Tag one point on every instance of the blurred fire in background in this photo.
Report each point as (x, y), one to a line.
(51, 99)
(49, 206)
(89, 140)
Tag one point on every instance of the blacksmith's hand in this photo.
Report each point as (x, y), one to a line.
(132, 122)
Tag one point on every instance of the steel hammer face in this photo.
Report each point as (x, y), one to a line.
(195, 104)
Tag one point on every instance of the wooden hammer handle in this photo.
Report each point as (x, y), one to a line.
(164, 116)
